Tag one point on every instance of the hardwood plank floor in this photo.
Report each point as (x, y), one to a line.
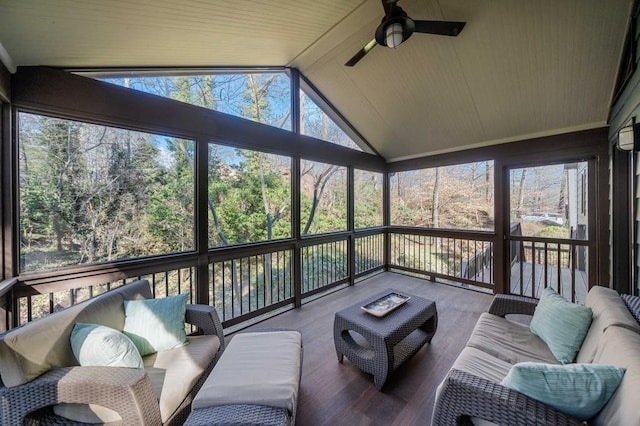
(339, 394)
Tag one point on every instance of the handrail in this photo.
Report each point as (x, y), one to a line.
(7, 285)
(549, 240)
(444, 233)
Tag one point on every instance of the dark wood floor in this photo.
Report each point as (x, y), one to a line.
(339, 394)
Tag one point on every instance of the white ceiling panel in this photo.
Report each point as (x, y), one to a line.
(518, 69)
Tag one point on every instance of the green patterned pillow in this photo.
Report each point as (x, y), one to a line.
(562, 325)
(99, 345)
(578, 390)
(155, 325)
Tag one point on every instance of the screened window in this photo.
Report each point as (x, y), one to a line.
(261, 97)
(448, 197)
(368, 199)
(91, 193)
(550, 201)
(323, 198)
(315, 122)
(249, 197)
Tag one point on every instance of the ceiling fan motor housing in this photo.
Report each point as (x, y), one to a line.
(408, 26)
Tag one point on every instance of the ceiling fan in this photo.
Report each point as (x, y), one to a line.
(396, 27)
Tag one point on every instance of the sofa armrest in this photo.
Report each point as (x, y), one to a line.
(207, 320)
(466, 395)
(504, 304)
(127, 391)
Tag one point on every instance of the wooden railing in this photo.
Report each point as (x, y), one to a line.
(244, 286)
(539, 263)
(164, 283)
(255, 281)
(453, 256)
(243, 282)
(369, 253)
(6, 302)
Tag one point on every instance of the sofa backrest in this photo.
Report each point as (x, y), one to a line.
(608, 310)
(620, 346)
(33, 349)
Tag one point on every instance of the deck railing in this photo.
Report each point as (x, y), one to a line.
(30, 307)
(249, 285)
(538, 263)
(324, 265)
(244, 282)
(460, 257)
(369, 253)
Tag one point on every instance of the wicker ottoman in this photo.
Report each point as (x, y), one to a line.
(255, 382)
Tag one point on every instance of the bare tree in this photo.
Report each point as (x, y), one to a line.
(435, 206)
(523, 177)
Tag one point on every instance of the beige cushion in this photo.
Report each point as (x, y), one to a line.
(608, 310)
(481, 364)
(174, 372)
(620, 346)
(509, 341)
(37, 347)
(256, 368)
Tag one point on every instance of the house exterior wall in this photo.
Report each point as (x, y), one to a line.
(624, 190)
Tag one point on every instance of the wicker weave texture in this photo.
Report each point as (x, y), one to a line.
(505, 304)
(125, 390)
(240, 415)
(393, 339)
(465, 395)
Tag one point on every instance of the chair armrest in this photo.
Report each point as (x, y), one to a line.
(504, 304)
(207, 320)
(126, 391)
(464, 394)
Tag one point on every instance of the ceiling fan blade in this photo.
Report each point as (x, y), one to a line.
(446, 28)
(366, 49)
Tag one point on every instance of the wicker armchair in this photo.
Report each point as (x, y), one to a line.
(127, 391)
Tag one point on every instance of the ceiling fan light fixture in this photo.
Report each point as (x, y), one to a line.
(394, 35)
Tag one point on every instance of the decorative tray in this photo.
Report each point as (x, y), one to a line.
(385, 304)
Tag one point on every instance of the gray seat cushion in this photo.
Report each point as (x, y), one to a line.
(260, 368)
(509, 341)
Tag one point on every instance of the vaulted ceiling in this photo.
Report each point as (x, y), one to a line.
(519, 69)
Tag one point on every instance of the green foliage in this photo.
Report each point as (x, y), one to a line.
(251, 196)
(92, 193)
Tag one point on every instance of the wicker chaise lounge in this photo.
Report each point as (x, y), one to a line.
(39, 369)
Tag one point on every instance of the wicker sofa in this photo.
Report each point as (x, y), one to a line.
(42, 379)
(471, 392)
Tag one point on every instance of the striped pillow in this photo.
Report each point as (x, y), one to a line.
(562, 325)
(578, 390)
(633, 304)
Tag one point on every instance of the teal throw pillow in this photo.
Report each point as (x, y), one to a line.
(99, 345)
(562, 325)
(578, 390)
(155, 325)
